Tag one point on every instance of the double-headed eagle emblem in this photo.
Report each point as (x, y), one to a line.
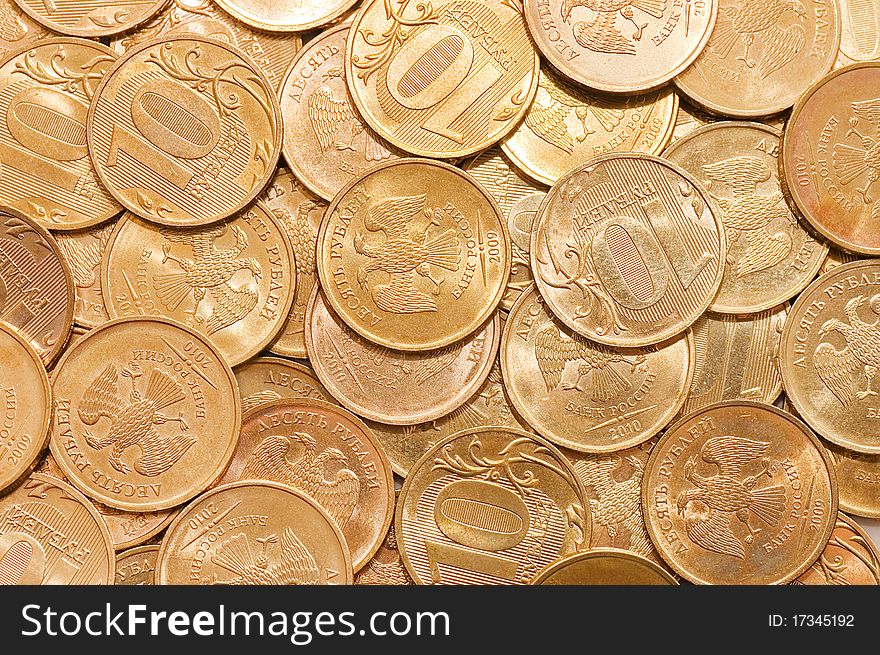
(295, 563)
(601, 33)
(856, 162)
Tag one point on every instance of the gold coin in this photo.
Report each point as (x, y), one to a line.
(90, 18)
(739, 493)
(628, 250)
(836, 258)
(184, 130)
(83, 250)
(620, 47)
(489, 506)
(413, 255)
(860, 31)
(300, 214)
(827, 356)
(37, 286)
(233, 282)
(147, 414)
(858, 480)
(566, 126)
(137, 566)
(254, 533)
(391, 386)
(585, 396)
(827, 166)
(519, 199)
(325, 142)
(51, 534)
(687, 120)
(850, 558)
(386, 567)
(770, 256)
(26, 401)
(441, 79)
(264, 379)
(17, 28)
(286, 15)
(737, 358)
(327, 453)
(604, 566)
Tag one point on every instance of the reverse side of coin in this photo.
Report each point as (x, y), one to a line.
(860, 31)
(386, 567)
(83, 250)
(858, 479)
(91, 18)
(137, 566)
(850, 558)
(604, 566)
(264, 379)
(286, 15)
(17, 28)
(836, 258)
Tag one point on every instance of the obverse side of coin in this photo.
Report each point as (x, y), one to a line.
(620, 47)
(489, 506)
(391, 386)
(91, 18)
(286, 15)
(386, 567)
(604, 566)
(264, 379)
(739, 493)
(566, 126)
(253, 533)
(585, 396)
(829, 153)
(17, 28)
(147, 414)
(770, 256)
(687, 120)
(858, 478)
(233, 282)
(413, 255)
(51, 534)
(628, 250)
(860, 31)
(850, 558)
(184, 130)
(83, 250)
(325, 142)
(424, 76)
(137, 566)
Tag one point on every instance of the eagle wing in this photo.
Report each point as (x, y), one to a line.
(780, 47)
(402, 297)
(84, 258)
(340, 496)
(608, 115)
(268, 461)
(158, 454)
(326, 114)
(439, 361)
(731, 453)
(297, 565)
(868, 110)
(548, 123)
(742, 173)
(234, 555)
(394, 215)
(836, 369)
(602, 35)
(724, 34)
(553, 353)
(101, 396)
(257, 399)
(201, 240)
(384, 573)
(230, 305)
(595, 471)
(714, 533)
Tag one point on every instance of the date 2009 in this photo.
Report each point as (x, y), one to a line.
(811, 621)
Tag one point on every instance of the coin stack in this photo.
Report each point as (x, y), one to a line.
(439, 292)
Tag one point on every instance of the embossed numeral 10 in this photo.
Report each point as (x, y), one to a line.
(736, 341)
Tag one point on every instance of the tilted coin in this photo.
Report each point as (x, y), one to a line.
(860, 31)
(264, 379)
(254, 533)
(836, 258)
(184, 130)
(620, 47)
(566, 126)
(326, 143)
(90, 18)
(850, 558)
(17, 28)
(830, 157)
(413, 255)
(286, 15)
(628, 250)
(327, 453)
(51, 534)
(858, 480)
(687, 120)
(137, 566)
(739, 493)
(585, 396)
(829, 358)
(489, 506)
(391, 386)
(770, 256)
(83, 250)
(233, 282)
(147, 414)
(441, 79)
(604, 566)
(386, 567)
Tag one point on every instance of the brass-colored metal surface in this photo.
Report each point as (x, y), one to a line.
(286, 15)
(850, 558)
(137, 566)
(91, 18)
(264, 379)
(604, 566)
(858, 480)
(83, 251)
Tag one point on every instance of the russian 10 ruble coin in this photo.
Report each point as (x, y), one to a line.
(17, 29)
(860, 31)
(858, 476)
(83, 251)
(91, 18)
(850, 558)
(604, 566)
(286, 15)
(264, 379)
(137, 566)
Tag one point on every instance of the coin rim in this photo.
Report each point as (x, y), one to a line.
(132, 552)
(856, 510)
(299, 367)
(281, 28)
(602, 553)
(94, 33)
(859, 531)
(138, 541)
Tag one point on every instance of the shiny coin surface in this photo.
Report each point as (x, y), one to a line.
(829, 157)
(566, 126)
(233, 282)
(47, 173)
(264, 379)
(828, 356)
(858, 479)
(850, 558)
(860, 31)
(441, 79)
(687, 120)
(739, 493)
(386, 567)
(147, 414)
(836, 258)
(17, 29)
(604, 566)
(585, 396)
(325, 142)
(51, 534)
(392, 386)
(489, 506)
(137, 566)
(286, 15)
(83, 250)
(327, 453)
(620, 47)
(254, 533)
(770, 256)
(628, 250)
(762, 55)
(91, 18)
(413, 255)
(184, 130)
(27, 404)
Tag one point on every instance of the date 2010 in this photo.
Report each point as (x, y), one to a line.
(811, 621)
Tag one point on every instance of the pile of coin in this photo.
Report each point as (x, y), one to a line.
(439, 291)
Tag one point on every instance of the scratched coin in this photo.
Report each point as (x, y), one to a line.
(739, 493)
(233, 281)
(147, 414)
(286, 15)
(489, 506)
(604, 566)
(628, 250)
(413, 255)
(386, 567)
(51, 534)
(264, 379)
(441, 79)
(860, 31)
(254, 533)
(137, 566)
(17, 28)
(83, 250)
(858, 478)
(90, 18)
(184, 130)
(850, 558)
